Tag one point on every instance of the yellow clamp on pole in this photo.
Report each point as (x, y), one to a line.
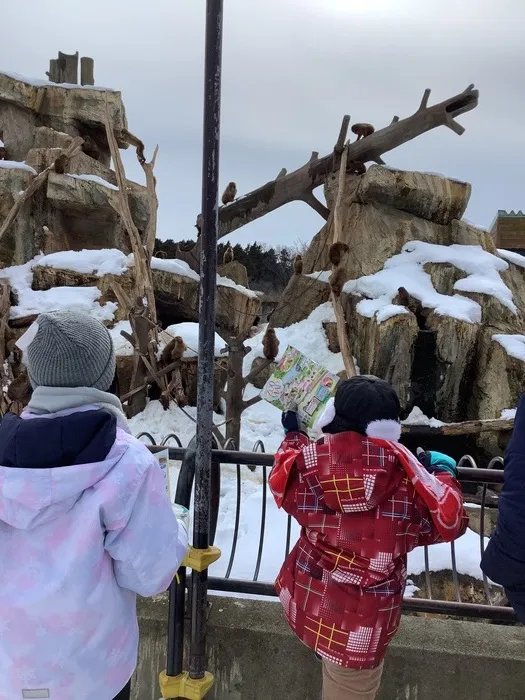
(183, 686)
(200, 559)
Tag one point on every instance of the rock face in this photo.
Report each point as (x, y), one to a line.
(235, 271)
(26, 105)
(443, 361)
(37, 120)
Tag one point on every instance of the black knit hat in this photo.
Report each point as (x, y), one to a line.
(362, 402)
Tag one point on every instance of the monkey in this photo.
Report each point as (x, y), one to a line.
(90, 148)
(356, 168)
(403, 297)
(337, 280)
(413, 305)
(61, 163)
(337, 252)
(228, 255)
(298, 265)
(270, 344)
(19, 392)
(229, 193)
(362, 130)
(173, 351)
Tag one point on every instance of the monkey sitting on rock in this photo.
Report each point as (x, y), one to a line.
(337, 252)
(298, 265)
(228, 256)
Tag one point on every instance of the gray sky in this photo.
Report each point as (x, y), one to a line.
(291, 69)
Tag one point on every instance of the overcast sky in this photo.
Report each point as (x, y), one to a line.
(291, 69)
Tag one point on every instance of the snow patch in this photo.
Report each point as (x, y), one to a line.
(123, 348)
(94, 178)
(406, 270)
(189, 332)
(307, 336)
(176, 267)
(514, 345)
(109, 261)
(322, 276)
(227, 282)
(389, 311)
(17, 165)
(417, 417)
(511, 257)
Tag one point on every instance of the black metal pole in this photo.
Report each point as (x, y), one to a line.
(208, 282)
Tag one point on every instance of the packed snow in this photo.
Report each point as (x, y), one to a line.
(108, 261)
(189, 332)
(31, 302)
(36, 82)
(175, 267)
(307, 336)
(17, 165)
(514, 345)
(482, 271)
(94, 178)
(227, 282)
(511, 257)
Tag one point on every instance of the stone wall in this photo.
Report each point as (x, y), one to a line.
(254, 656)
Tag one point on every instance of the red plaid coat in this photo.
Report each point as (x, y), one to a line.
(342, 586)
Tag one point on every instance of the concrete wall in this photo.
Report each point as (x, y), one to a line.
(254, 656)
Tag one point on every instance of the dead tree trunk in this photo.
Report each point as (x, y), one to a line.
(235, 390)
(299, 184)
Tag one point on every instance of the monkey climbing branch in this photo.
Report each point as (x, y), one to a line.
(299, 184)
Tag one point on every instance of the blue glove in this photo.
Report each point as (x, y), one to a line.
(438, 462)
(290, 422)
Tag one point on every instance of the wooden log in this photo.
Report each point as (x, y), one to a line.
(53, 71)
(299, 184)
(87, 71)
(68, 68)
(474, 427)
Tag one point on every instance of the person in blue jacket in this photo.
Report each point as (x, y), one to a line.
(504, 558)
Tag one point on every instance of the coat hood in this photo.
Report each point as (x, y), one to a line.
(47, 463)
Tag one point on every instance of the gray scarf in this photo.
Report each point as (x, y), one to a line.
(48, 399)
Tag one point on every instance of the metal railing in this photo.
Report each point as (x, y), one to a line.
(261, 461)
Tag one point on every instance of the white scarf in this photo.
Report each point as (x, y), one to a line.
(47, 399)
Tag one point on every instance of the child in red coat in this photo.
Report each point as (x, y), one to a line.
(363, 502)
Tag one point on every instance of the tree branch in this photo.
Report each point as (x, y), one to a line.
(343, 133)
(251, 402)
(248, 379)
(297, 185)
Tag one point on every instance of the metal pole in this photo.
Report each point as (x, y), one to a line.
(208, 281)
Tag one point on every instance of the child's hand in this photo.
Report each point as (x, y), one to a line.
(182, 514)
(437, 462)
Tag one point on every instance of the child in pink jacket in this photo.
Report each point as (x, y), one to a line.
(85, 524)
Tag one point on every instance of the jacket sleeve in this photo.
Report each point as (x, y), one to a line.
(429, 532)
(143, 536)
(504, 558)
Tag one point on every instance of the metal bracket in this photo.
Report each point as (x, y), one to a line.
(200, 559)
(182, 686)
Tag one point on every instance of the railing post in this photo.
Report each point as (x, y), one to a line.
(208, 284)
(198, 682)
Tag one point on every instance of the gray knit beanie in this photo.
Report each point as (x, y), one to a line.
(71, 349)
